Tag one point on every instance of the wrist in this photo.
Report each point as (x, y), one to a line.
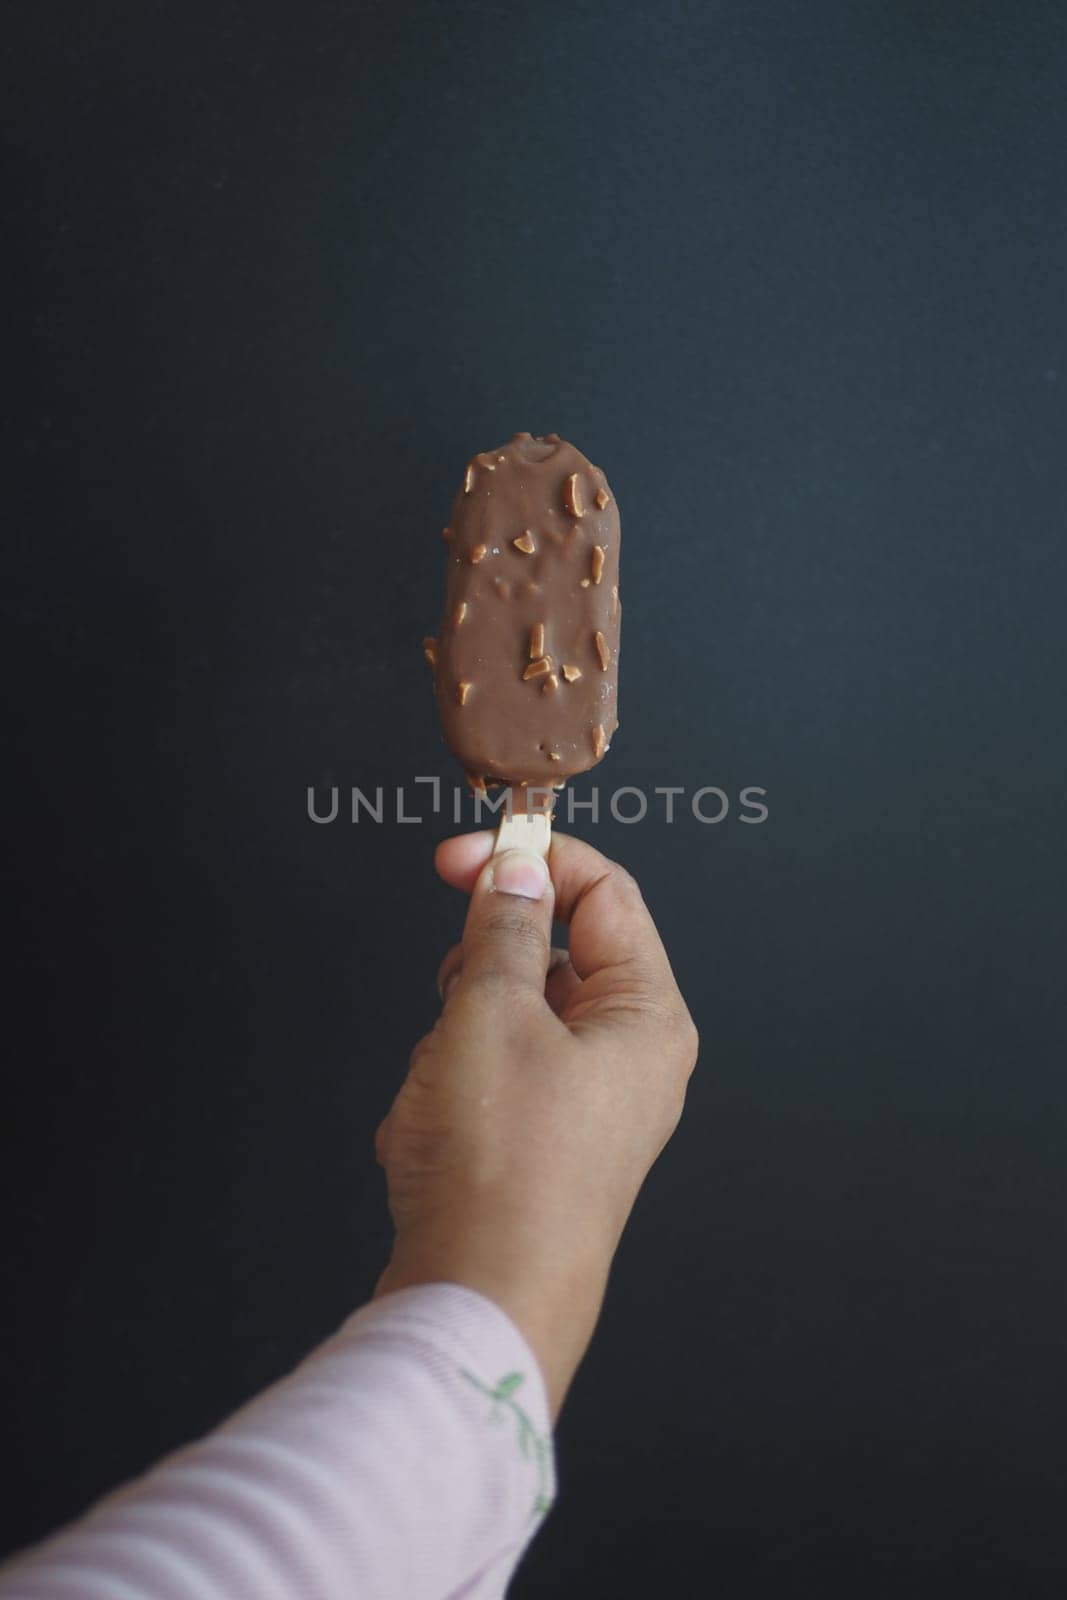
(552, 1296)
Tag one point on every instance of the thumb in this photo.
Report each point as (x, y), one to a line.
(507, 940)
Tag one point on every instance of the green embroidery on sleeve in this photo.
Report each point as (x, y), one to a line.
(528, 1436)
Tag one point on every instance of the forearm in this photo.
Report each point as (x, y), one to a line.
(372, 1470)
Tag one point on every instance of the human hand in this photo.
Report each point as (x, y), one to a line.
(532, 1112)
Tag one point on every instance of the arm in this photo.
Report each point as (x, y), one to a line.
(381, 1468)
(411, 1455)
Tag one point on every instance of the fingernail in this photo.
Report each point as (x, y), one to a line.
(520, 872)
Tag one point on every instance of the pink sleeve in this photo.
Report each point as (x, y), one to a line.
(409, 1456)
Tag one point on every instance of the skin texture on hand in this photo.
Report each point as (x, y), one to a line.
(533, 1111)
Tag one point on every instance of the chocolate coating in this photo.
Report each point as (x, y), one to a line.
(526, 658)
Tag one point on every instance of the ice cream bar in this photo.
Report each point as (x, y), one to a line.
(526, 658)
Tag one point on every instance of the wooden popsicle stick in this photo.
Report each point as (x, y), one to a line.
(525, 830)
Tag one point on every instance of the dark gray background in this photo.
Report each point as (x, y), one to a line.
(794, 275)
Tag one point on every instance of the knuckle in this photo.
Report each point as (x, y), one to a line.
(646, 976)
(678, 1033)
(688, 1046)
(496, 986)
(510, 928)
(492, 981)
(689, 1043)
(626, 885)
(450, 961)
(418, 1055)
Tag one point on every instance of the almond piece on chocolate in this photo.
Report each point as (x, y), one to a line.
(603, 653)
(602, 498)
(462, 691)
(477, 554)
(572, 674)
(525, 543)
(600, 744)
(598, 562)
(537, 640)
(459, 613)
(572, 496)
(551, 682)
(538, 669)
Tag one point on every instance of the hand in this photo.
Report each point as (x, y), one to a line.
(531, 1114)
